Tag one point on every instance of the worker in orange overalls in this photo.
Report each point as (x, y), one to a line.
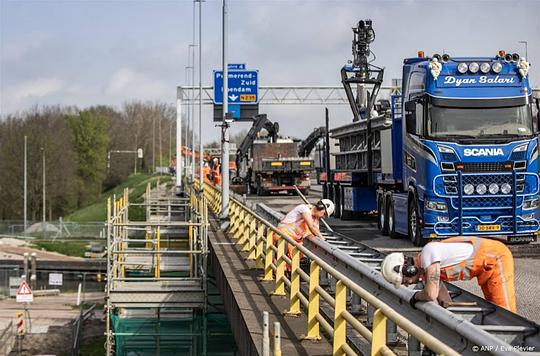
(303, 220)
(454, 259)
(216, 173)
(206, 172)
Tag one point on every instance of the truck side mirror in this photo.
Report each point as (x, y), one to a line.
(410, 123)
(410, 106)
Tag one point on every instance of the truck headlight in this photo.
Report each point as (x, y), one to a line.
(530, 204)
(520, 148)
(445, 149)
(493, 188)
(436, 206)
(473, 67)
(496, 67)
(485, 67)
(462, 68)
(506, 188)
(481, 189)
(468, 189)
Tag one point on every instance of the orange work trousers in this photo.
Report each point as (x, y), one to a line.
(497, 279)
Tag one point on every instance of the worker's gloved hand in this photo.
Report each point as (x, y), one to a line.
(413, 301)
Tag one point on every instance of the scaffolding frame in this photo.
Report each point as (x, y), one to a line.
(157, 263)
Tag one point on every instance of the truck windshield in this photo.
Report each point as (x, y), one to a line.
(479, 122)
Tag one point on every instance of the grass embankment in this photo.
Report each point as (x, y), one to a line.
(137, 186)
(71, 248)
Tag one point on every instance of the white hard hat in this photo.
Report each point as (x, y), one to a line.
(391, 268)
(328, 206)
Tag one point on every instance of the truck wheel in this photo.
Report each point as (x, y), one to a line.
(391, 218)
(415, 234)
(382, 220)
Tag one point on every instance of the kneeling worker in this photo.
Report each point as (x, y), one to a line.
(454, 259)
(303, 221)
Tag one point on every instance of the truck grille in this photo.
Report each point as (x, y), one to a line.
(482, 166)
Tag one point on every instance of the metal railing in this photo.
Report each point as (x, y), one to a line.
(265, 244)
(57, 229)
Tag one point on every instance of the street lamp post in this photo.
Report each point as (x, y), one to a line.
(25, 208)
(43, 222)
(188, 144)
(201, 180)
(225, 122)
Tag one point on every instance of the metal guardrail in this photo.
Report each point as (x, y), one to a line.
(265, 244)
(483, 329)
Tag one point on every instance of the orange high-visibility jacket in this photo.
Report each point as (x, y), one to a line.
(298, 230)
(206, 173)
(491, 263)
(216, 174)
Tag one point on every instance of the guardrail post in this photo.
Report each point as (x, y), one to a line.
(268, 272)
(277, 339)
(356, 304)
(324, 279)
(313, 305)
(391, 332)
(266, 335)
(413, 346)
(280, 270)
(259, 246)
(378, 339)
(370, 312)
(331, 284)
(295, 284)
(340, 324)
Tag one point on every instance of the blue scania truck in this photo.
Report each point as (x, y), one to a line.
(457, 154)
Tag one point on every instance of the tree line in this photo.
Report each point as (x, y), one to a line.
(76, 144)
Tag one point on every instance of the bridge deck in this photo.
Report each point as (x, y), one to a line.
(245, 299)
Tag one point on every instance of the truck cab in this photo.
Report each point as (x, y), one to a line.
(469, 163)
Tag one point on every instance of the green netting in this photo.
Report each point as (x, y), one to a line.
(173, 336)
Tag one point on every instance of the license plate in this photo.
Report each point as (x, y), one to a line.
(496, 227)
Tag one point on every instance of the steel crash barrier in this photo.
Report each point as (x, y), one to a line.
(265, 244)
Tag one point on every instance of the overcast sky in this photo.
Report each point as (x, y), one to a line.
(108, 52)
